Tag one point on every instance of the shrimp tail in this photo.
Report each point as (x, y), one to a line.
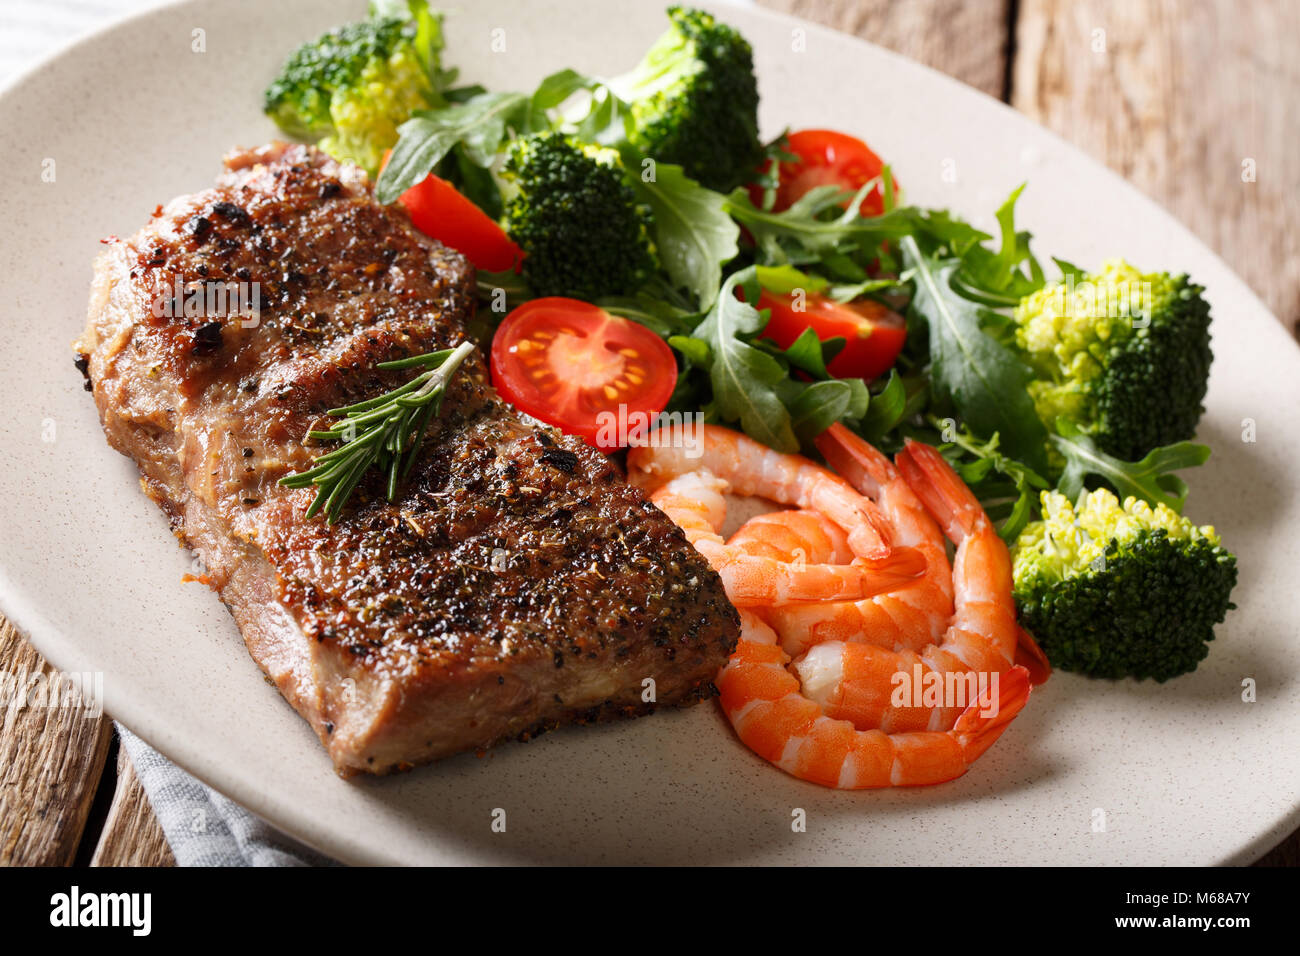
(901, 566)
(854, 460)
(982, 723)
(863, 467)
(952, 504)
(880, 541)
(1031, 657)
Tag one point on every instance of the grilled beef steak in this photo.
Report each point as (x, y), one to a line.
(516, 583)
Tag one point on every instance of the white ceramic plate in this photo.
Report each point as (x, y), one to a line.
(1181, 773)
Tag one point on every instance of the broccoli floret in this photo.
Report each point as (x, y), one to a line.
(354, 86)
(1125, 356)
(1121, 591)
(577, 220)
(694, 101)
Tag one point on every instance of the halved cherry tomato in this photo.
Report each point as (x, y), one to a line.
(874, 334)
(440, 211)
(826, 158)
(575, 366)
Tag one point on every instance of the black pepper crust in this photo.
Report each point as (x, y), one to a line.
(516, 563)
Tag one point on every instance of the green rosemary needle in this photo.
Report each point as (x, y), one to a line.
(384, 432)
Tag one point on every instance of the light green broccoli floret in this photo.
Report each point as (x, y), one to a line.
(354, 86)
(1121, 590)
(1122, 354)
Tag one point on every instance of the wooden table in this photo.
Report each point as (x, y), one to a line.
(1179, 97)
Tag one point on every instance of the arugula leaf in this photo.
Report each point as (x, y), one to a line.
(662, 318)
(806, 353)
(785, 279)
(463, 94)
(1012, 496)
(1148, 479)
(550, 94)
(889, 189)
(886, 409)
(820, 230)
(695, 351)
(999, 279)
(816, 406)
(1069, 269)
(847, 293)
(474, 182)
(745, 378)
(1006, 273)
(693, 234)
(802, 233)
(607, 119)
(979, 378)
(478, 125)
(768, 177)
(859, 399)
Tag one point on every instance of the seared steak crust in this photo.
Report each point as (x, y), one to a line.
(516, 583)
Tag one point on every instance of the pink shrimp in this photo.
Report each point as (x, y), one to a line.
(795, 535)
(764, 703)
(693, 496)
(947, 498)
(751, 469)
(837, 717)
(908, 617)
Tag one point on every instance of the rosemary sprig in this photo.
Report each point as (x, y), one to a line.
(384, 432)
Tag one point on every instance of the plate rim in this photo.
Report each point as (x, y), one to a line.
(59, 649)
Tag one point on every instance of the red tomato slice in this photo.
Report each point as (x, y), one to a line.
(575, 366)
(439, 211)
(826, 158)
(874, 334)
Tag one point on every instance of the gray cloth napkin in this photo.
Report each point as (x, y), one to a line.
(203, 827)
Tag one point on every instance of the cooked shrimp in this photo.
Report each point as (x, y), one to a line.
(854, 679)
(839, 697)
(795, 535)
(908, 617)
(828, 712)
(871, 473)
(751, 469)
(692, 494)
(696, 503)
(762, 699)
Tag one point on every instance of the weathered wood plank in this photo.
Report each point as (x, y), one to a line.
(966, 39)
(52, 752)
(1286, 853)
(1188, 101)
(131, 834)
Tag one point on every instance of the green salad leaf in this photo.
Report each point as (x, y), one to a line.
(999, 278)
(479, 126)
(663, 318)
(816, 406)
(692, 232)
(979, 378)
(885, 409)
(745, 378)
(1148, 479)
(1008, 489)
